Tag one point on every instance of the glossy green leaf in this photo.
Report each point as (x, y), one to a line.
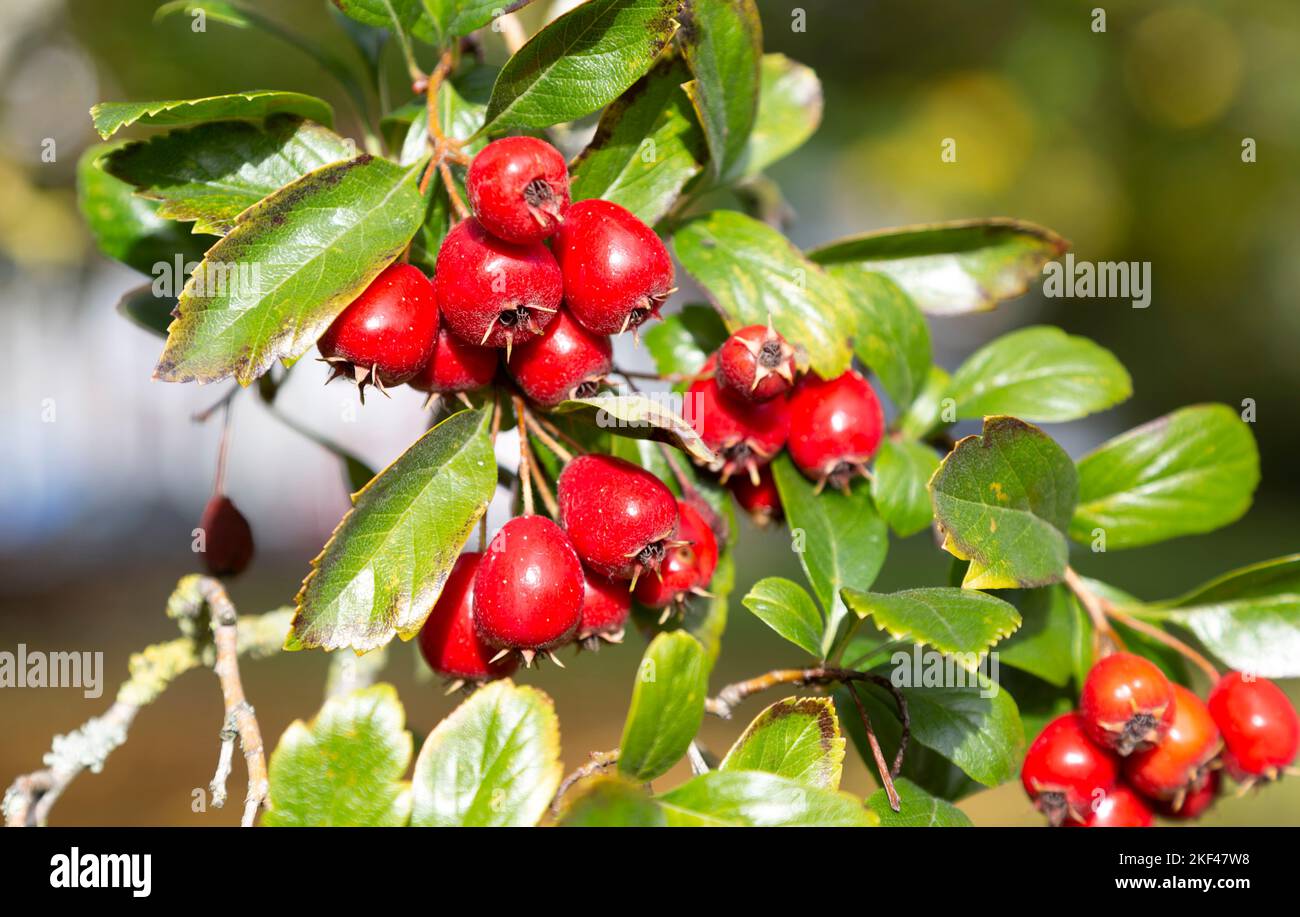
(963, 623)
(758, 800)
(1191, 471)
(150, 312)
(292, 263)
(787, 608)
(723, 46)
(213, 11)
(640, 417)
(927, 409)
(789, 111)
(917, 809)
(750, 272)
(949, 268)
(892, 338)
(1040, 374)
(345, 767)
(1044, 646)
(798, 738)
(898, 484)
(494, 762)
(409, 15)
(667, 706)
(1266, 579)
(977, 727)
(111, 117)
(384, 566)
(682, 342)
(610, 802)
(1004, 500)
(458, 18)
(580, 62)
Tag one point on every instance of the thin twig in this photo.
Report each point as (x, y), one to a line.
(1162, 636)
(598, 763)
(886, 778)
(525, 463)
(1095, 606)
(547, 440)
(205, 415)
(555, 431)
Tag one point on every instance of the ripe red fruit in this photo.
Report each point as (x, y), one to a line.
(619, 515)
(762, 500)
(456, 366)
(835, 427)
(1194, 802)
(448, 639)
(1179, 765)
(756, 363)
(567, 361)
(1120, 808)
(518, 187)
(227, 537)
(1064, 773)
(494, 293)
(687, 567)
(745, 434)
(605, 607)
(617, 272)
(1260, 728)
(528, 588)
(386, 335)
(1127, 703)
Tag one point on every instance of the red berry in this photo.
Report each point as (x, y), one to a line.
(386, 335)
(756, 363)
(1120, 808)
(688, 565)
(1179, 765)
(1064, 773)
(456, 366)
(493, 293)
(762, 500)
(1194, 802)
(567, 361)
(605, 606)
(448, 639)
(518, 187)
(1127, 703)
(835, 427)
(1260, 728)
(227, 538)
(528, 589)
(619, 515)
(617, 272)
(745, 434)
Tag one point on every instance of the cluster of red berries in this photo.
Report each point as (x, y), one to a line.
(1141, 745)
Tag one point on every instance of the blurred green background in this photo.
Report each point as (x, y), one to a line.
(1128, 142)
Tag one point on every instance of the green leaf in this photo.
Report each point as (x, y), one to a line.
(610, 802)
(926, 410)
(758, 800)
(1041, 374)
(682, 342)
(1188, 472)
(723, 46)
(494, 762)
(1004, 500)
(798, 738)
(384, 566)
(410, 16)
(292, 263)
(788, 609)
(150, 312)
(345, 767)
(1044, 645)
(646, 148)
(640, 417)
(213, 11)
(789, 111)
(751, 272)
(949, 268)
(1266, 579)
(667, 706)
(211, 173)
(898, 484)
(580, 62)
(457, 18)
(981, 735)
(839, 538)
(111, 117)
(963, 623)
(917, 809)
(892, 337)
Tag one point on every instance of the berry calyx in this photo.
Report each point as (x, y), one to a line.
(762, 500)
(756, 363)
(617, 272)
(1180, 764)
(528, 588)
(227, 538)
(1261, 732)
(1064, 772)
(1120, 808)
(1194, 802)
(620, 516)
(456, 367)
(386, 335)
(567, 361)
(745, 434)
(605, 607)
(494, 293)
(519, 188)
(449, 641)
(687, 567)
(1127, 703)
(835, 427)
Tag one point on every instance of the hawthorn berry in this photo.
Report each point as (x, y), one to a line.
(1261, 732)
(756, 363)
(745, 434)
(1180, 764)
(456, 367)
(528, 588)
(835, 427)
(567, 361)
(518, 187)
(386, 335)
(762, 500)
(449, 641)
(686, 568)
(1064, 772)
(605, 607)
(227, 537)
(620, 516)
(1193, 803)
(1120, 808)
(1127, 703)
(494, 293)
(617, 272)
